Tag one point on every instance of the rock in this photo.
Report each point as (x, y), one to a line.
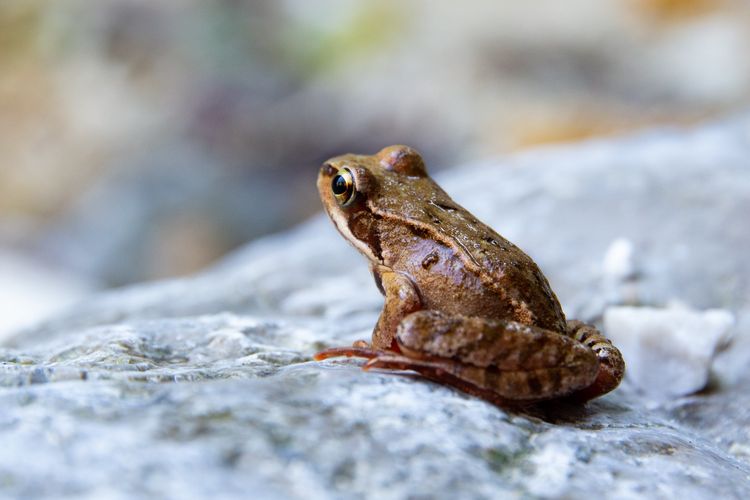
(669, 351)
(204, 385)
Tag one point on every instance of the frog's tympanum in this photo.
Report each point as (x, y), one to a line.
(463, 305)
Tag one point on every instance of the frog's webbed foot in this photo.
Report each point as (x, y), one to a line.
(349, 352)
(611, 364)
(359, 349)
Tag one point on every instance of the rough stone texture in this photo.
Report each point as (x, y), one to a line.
(203, 386)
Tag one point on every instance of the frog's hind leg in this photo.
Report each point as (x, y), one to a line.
(503, 362)
(515, 362)
(611, 364)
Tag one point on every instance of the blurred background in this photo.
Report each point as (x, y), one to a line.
(143, 139)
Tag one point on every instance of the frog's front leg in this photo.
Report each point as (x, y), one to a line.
(401, 299)
(494, 359)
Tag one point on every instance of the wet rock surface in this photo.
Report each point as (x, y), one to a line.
(204, 386)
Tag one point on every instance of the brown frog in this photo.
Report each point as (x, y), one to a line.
(463, 306)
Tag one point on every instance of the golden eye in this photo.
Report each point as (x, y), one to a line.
(342, 186)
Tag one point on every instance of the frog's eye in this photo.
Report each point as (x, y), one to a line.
(342, 186)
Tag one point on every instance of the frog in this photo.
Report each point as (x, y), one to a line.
(464, 307)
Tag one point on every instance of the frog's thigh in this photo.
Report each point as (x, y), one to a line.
(509, 359)
(401, 299)
(611, 364)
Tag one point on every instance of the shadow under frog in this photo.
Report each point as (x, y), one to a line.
(463, 306)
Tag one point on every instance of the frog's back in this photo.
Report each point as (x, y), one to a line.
(498, 278)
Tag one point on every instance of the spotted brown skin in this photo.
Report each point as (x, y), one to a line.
(463, 305)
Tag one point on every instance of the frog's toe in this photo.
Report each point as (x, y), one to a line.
(349, 352)
(611, 363)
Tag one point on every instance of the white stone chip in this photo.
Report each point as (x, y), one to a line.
(668, 352)
(618, 263)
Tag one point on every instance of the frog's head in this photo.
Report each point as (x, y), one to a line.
(352, 187)
(347, 178)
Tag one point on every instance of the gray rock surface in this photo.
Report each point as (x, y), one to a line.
(203, 386)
